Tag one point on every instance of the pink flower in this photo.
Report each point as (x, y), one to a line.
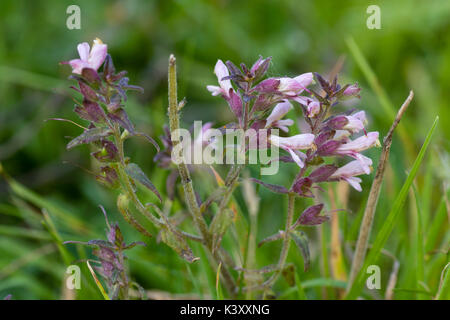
(356, 122)
(224, 87)
(352, 148)
(274, 119)
(295, 86)
(293, 144)
(89, 59)
(352, 169)
(352, 90)
(312, 105)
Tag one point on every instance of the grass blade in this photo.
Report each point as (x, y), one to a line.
(390, 220)
(97, 282)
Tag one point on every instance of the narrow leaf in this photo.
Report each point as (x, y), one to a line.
(272, 187)
(301, 241)
(89, 136)
(390, 220)
(136, 173)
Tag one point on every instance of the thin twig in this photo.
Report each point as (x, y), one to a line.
(369, 213)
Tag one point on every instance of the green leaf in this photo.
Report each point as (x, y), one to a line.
(390, 220)
(177, 243)
(136, 173)
(272, 187)
(277, 236)
(89, 136)
(444, 286)
(222, 220)
(301, 241)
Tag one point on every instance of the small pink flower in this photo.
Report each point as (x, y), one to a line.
(352, 90)
(362, 143)
(356, 122)
(352, 169)
(293, 144)
(274, 119)
(295, 86)
(224, 87)
(352, 148)
(89, 58)
(312, 105)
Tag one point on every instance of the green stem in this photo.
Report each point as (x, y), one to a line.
(286, 242)
(125, 179)
(174, 124)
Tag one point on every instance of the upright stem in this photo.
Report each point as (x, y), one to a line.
(128, 187)
(291, 207)
(369, 212)
(286, 242)
(174, 124)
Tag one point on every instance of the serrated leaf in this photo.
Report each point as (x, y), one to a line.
(136, 173)
(89, 136)
(301, 241)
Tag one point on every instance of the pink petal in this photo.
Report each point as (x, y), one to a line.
(296, 158)
(304, 79)
(278, 112)
(354, 182)
(83, 51)
(215, 90)
(78, 65)
(221, 71)
(97, 55)
(299, 141)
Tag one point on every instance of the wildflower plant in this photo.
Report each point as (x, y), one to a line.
(259, 104)
(329, 136)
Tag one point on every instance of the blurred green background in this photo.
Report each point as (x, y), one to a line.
(410, 51)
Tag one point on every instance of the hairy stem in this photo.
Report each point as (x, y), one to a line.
(126, 180)
(174, 124)
(286, 242)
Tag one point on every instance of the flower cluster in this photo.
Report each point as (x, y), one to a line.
(263, 104)
(103, 94)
